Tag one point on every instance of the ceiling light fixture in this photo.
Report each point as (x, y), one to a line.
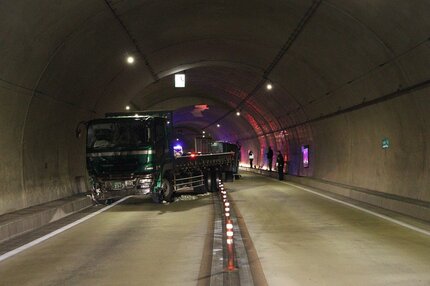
(179, 80)
(269, 86)
(130, 59)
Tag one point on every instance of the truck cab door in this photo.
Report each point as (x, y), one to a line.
(160, 141)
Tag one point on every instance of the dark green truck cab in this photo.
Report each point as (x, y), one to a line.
(126, 155)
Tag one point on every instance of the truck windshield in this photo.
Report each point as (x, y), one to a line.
(118, 135)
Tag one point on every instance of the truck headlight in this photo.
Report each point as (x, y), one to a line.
(145, 182)
(129, 183)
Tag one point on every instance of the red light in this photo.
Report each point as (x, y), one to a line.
(193, 155)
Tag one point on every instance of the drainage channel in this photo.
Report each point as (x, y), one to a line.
(230, 265)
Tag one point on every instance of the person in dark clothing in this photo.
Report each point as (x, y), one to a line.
(280, 164)
(251, 158)
(270, 158)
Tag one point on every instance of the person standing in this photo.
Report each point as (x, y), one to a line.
(251, 158)
(270, 158)
(280, 165)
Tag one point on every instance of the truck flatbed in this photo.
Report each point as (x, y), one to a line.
(204, 160)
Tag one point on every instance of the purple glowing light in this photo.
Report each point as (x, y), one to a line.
(177, 149)
(305, 155)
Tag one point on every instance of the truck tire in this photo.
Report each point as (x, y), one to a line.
(203, 188)
(211, 180)
(166, 190)
(200, 190)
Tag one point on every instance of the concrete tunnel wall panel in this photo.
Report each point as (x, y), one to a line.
(348, 149)
(49, 152)
(12, 118)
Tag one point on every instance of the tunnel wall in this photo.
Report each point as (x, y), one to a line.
(347, 149)
(41, 160)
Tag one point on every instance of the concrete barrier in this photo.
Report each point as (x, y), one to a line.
(25, 220)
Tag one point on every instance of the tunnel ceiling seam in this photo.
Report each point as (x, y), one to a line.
(387, 97)
(38, 93)
(209, 62)
(103, 92)
(133, 40)
(366, 27)
(287, 45)
(246, 42)
(361, 23)
(16, 85)
(392, 60)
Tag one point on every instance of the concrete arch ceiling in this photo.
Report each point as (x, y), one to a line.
(326, 69)
(321, 79)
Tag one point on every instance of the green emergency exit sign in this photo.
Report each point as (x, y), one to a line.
(385, 143)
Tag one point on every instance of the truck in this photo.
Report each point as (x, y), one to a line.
(205, 144)
(132, 154)
(226, 147)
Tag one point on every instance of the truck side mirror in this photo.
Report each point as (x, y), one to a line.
(78, 131)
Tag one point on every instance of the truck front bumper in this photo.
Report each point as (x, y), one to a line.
(116, 189)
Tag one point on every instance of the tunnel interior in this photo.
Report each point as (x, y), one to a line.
(345, 76)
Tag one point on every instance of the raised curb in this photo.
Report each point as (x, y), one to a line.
(28, 219)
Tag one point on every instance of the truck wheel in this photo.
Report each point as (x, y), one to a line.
(210, 182)
(200, 190)
(203, 188)
(166, 190)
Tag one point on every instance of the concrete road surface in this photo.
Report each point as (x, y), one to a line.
(299, 238)
(134, 243)
(304, 239)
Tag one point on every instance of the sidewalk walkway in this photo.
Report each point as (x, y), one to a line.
(28, 219)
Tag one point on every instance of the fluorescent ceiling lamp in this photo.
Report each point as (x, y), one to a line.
(179, 80)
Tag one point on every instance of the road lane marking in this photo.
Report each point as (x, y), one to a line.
(58, 231)
(417, 229)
